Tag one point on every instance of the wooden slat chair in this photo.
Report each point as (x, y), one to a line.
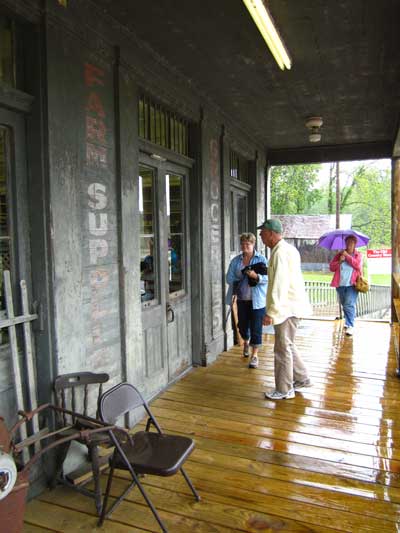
(15, 471)
(143, 452)
(72, 393)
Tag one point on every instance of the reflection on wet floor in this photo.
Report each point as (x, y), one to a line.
(327, 460)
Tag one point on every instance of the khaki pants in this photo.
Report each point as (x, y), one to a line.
(289, 366)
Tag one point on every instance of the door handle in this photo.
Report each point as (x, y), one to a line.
(170, 313)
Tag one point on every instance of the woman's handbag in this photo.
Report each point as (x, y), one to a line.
(362, 284)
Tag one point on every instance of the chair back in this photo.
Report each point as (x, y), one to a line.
(118, 401)
(74, 391)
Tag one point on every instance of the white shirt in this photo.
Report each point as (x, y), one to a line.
(286, 295)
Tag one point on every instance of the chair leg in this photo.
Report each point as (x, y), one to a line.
(195, 493)
(120, 499)
(104, 513)
(60, 455)
(136, 481)
(112, 508)
(149, 503)
(94, 456)
(104, 506)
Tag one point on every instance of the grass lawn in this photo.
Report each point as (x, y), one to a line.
(317, 276)
(381, 279)
(376, 279)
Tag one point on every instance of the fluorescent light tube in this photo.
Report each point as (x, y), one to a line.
(264, 23)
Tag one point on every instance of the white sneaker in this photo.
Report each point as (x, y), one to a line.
(276, 395)
(349, 331)
(253, 362)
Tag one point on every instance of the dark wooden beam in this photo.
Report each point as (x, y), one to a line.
(396, 144)
(325, 154)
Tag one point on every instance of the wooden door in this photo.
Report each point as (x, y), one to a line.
(179, 333)
(14, 241)
(165, 272)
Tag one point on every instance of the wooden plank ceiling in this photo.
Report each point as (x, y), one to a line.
(328, 460)
(346, 65)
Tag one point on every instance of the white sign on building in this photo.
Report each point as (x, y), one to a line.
(379, 261)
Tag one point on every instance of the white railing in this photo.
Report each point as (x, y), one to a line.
(373, 304)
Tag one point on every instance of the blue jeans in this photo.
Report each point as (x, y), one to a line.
(250, 322)
(348, 299)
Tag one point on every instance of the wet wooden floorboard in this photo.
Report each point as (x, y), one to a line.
(328, 460)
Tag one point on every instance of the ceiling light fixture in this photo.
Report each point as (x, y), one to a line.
(265, 24)
(313, 124)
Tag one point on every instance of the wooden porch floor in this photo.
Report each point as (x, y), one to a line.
(328, 460)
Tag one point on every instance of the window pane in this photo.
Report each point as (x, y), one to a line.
(142, 129)
(146, 120)
(176, 234)
(172, 133)
(239, 218)
(233, 229)
(6, 52)
(163, 139)
(152, 123)
(5, 237)
(242, 214)
(148, 263)
(158, 125)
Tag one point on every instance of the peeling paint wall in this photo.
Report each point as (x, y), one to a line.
(91, 74)
(83, 206)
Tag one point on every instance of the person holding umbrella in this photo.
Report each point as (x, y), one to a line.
(347, 266)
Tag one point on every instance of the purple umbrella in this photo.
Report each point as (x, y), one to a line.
(335, 240)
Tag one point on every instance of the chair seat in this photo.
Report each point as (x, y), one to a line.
(154, 453)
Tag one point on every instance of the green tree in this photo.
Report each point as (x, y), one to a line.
(365, 193)
(367, 196)
(293, 189)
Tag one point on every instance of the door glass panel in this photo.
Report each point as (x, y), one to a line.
(148, 250)
(242, 214)
(5, 236)
(239, 218)
(6, 52)
(176, 232)
(233, 222)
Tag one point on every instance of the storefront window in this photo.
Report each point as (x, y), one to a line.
(239, 217)
(148, 270)
(176, 234)
(7, 63)
(162, 127)
(239, 167)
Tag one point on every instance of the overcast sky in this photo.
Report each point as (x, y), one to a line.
(347, 166)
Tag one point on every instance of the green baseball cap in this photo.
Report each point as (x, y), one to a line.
(273, 224)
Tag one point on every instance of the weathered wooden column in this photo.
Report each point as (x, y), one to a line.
(396, 253)
(213, 304)
(396, 217)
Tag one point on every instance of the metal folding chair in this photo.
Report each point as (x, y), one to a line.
(144, 452)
